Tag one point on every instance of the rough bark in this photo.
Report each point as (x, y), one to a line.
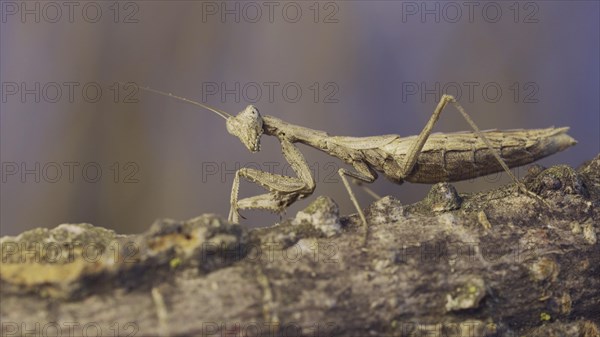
(497, 263)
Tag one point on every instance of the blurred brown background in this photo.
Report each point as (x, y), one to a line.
(362, 68)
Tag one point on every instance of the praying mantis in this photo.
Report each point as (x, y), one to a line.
(426, 158)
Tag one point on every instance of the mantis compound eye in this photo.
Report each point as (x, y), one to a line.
(248, 127)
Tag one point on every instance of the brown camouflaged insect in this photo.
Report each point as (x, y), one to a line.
(426, 158)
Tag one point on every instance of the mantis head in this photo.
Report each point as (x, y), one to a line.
(248, 127)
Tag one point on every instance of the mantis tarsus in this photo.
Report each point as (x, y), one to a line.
(426, 158)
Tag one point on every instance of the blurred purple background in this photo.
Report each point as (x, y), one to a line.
(363, 68)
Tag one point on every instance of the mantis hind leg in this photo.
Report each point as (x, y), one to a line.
(417, 146)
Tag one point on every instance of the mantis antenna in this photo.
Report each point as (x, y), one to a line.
(221, 113)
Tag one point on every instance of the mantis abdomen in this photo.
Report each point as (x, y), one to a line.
(458, 156)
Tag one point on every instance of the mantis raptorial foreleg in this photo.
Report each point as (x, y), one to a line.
(283, 190)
